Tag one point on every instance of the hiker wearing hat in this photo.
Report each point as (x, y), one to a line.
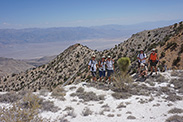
(143, 70)
(141, 59)
(153, 59)
(102, 65)
(92, 66)
(110, 67)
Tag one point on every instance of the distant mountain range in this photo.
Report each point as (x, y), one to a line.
(34, 43)
(40, 35)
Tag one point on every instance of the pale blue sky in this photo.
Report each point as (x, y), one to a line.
(62, 13)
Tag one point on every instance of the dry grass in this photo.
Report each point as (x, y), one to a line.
(121, 82)
(24, 111)
(59, 93)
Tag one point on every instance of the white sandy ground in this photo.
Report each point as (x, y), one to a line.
(153, 111)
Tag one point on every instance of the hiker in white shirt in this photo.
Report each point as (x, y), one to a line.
(102, 67)
(141, 59)
(92, 66)
(110, 67)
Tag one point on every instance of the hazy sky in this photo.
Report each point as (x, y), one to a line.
(58, 13)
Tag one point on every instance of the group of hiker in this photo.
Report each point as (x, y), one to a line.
(143, 65)
(108, 65)
(103, 65)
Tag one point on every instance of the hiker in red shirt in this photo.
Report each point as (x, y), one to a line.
(153, 59)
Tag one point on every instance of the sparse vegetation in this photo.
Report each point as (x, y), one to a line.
(176, 61)
(24, 111)
(162, 54)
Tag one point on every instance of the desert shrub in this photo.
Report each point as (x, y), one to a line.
(24, 111)
(123, 64)
(121, 79)
(10, 97)
(162, 43)
(131, 117)
(30, 101)
(80, 90)
(49, 106)
(59, 93)
(175, 111)
(175, 118)
(176, 61)
(86, 112)
(121, 82)
(154, 45)
(120, 95)
(181, 49)
(166, 38)
(162, 54)
(121, 105)
(175, 25)
(171, 45)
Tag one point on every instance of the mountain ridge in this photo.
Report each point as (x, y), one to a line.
(77, 56)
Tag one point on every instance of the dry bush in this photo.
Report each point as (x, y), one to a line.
(24, 111)
(173, 97)
(86, 112)
(49, 106)
(175, 111)
(44, 92)
(59, 93)
(10, 97)
(119, 95)
(68, 108)
(30, 101)
(121, 82)
(110, 115)
(80, 90)
(175, 118)
(88, 96)
(121, 105)
(131, 117)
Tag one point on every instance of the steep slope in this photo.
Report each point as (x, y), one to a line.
(147, 40)
(171, 52)
(9, 66)
(50, 75)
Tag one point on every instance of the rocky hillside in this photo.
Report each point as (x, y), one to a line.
(9, 66)
(147, 40)
(171, 51)
(71, 64)
(73, 60)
